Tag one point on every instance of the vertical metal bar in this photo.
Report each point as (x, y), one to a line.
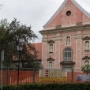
(2, 58)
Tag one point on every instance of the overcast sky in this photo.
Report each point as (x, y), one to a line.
(33, 12)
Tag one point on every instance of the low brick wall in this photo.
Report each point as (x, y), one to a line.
(72, 77)
(29, 76)
(25, 76)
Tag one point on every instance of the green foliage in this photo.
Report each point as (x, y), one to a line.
(10, 33)
(67, 86)
(86, 68)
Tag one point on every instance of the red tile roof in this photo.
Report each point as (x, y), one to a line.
(38, 47)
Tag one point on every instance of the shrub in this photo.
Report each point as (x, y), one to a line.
(67, 86)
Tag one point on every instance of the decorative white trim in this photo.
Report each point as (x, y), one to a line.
(71, 25)
(57, 38)
(80, 54)
(58, 35)
(49, 28)
(78, 32)
(42, 52)
(58, 51)
(44, 36)
(79, 37)
(85, 23)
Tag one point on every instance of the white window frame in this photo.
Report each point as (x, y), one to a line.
(67, 52)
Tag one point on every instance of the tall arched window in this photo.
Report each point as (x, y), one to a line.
(68, 54)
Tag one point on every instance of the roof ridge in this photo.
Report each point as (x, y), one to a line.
(81, 8)
(56, 12)
(74, 2)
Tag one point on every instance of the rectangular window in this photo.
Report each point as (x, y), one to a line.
(67, 55)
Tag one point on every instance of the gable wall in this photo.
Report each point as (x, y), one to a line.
(66, 21)
(76, 36)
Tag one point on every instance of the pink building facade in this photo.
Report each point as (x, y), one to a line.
(66, 38)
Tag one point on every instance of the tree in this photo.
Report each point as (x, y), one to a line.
(11, 33)
(86, 69)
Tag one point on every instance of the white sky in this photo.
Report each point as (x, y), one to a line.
(33, 12)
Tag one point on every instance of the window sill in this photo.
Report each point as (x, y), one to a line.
(67, 63)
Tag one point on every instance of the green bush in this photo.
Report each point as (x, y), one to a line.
(67, 86)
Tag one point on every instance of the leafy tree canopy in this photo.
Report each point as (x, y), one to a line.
(86, 68)
(12, 34)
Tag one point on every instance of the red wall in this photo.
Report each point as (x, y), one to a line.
(72, 77)
(24, 77)
(27, 77)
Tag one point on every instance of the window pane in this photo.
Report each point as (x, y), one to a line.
(67, 54)
(69, 58)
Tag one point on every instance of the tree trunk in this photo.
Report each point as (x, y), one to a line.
(33, 75)
(7, 74)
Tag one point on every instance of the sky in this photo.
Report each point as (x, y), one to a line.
(34, 13)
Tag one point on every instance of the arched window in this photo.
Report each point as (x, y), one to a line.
(86, 62)
(67, 54)
(50, 65)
